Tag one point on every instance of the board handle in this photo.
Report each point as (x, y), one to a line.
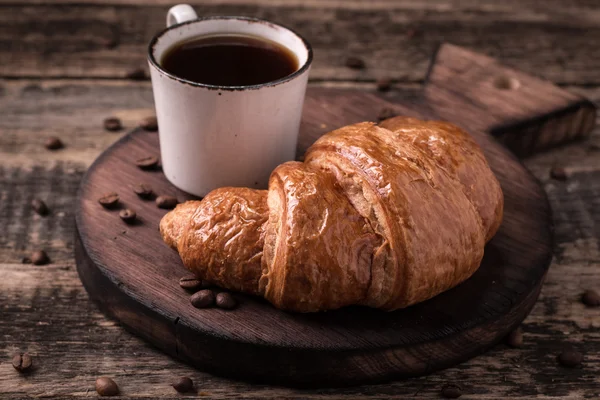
(525, 113)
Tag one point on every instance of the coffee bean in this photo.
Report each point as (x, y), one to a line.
(570, 358)
(386, 113)
(22, 362)
(148, 162)
(515, 338)
(166, 202)
(53, 143)
(106, 387)
(136, 74)
(113, 124)
(183, 385)
(40, 258)
(558, 173)
(191, 283)
(149, 124)
(109, 200)
(594, 147)
(143, 190)
(203, 299)
(26, 260)
(590, 298)
(355, 63)
(384, 84)
(225, 301)
(127, 215)
(451, 391)
(39, 207)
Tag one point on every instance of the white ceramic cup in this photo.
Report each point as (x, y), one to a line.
(214, 136)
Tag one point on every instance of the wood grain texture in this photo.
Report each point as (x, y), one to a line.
(73, 343)
(106, 41)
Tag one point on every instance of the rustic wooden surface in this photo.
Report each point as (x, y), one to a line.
(51, 65)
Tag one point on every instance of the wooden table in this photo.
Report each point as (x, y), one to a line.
(64, 69)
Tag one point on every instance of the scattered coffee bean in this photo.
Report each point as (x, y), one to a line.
(26, 260)
(22, 362)
(127, 215)
(40, 258)
(113, 124)
(39, 207)
(149, 124)
(558, 173)
(570, 358)
(386, 113)
(203, 299)
(143, 190)
(590, 298)
(148, 162)
(515, 338)
(53, 143)
(136, 74)
(451, 391)
(166, 202)
(225, 301)
(384, 84)
(355, 63)
(191, 283)
(183, 385)
(106, 387)
(109, 200)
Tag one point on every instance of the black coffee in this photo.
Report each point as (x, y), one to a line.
(230, 60)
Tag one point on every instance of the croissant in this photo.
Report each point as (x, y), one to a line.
(383, 216)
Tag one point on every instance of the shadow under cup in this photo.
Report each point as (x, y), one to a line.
(213, 136)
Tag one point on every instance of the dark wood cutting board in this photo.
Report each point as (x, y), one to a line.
(134, 276)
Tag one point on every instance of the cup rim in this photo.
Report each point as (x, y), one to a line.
(279, 81)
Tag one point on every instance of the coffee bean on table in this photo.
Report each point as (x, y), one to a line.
(148, 162)
(515, 338)
(590, 298)
(384, 84)
(183, 385)
(106, 387)
(22, 362)
(386, 113)
(39, 207)
(166, 202)
(143, 190)
(53, 143)
(113, 124)
(127, 215)
(109, 200)
(203, 299)
(558, 173)
(570, 358)
(225, 301)
(40, 258)
(191, 283)
(451, 391)
(355, 63)
(149, 124)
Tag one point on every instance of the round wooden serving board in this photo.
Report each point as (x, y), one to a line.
(134, 277)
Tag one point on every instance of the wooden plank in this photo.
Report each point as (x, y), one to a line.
(106, 41)
(473, 5)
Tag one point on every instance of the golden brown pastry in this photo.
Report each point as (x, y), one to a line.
(384, 216)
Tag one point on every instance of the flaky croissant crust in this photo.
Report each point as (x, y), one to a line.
(381, 215)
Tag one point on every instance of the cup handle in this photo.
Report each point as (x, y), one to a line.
(180, 13)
